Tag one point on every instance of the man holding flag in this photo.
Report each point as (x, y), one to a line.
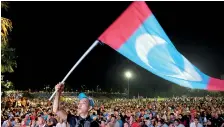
(85, 104)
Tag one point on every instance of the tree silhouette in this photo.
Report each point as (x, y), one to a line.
(8, 62)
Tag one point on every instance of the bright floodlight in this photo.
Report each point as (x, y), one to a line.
(128, 74)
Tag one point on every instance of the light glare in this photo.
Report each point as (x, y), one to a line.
(128, 74)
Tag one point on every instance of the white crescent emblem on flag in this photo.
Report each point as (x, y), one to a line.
(145, 42)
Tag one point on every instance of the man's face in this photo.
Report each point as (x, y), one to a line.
(83, 106)
(196, 121)
(142, 112)
(180, 117)
(216, 115)
(213, 114)
(113, 119)
(150, 115)
(176, 123)
(116, 113)
(159, 124)
(40, 121)
(128, 113)
(126, 125)
(102, 124)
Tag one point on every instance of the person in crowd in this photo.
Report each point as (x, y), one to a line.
(41, 122)
(9, 123)
(84, 106)
(162, 123)
(51, 120)
(196, 123)
(178, 124)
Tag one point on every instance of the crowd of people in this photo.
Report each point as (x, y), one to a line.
(173, 112)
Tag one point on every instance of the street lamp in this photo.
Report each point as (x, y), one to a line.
(128, 76)
(97, 88)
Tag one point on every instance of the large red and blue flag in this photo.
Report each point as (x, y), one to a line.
(137, 35)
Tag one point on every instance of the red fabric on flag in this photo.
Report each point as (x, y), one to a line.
(126, 24)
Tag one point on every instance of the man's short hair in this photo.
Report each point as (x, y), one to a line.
(177, 120)
(196, 118)
(162, 121)
(51, 114)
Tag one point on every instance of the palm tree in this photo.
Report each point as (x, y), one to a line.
(8, 61)
(6, 25)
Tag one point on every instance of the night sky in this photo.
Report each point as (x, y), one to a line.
(50, 37)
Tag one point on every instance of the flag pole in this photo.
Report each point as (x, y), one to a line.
(77, 63)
